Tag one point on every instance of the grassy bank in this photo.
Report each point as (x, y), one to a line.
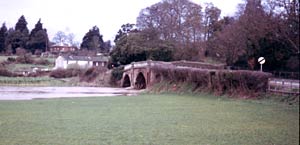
(31, 81)
(149, 119)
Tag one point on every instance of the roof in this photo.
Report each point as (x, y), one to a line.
(86, 58)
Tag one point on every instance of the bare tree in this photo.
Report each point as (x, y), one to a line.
(178, 21)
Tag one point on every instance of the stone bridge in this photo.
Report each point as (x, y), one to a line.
(140, 75)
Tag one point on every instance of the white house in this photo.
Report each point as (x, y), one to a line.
(82, 61)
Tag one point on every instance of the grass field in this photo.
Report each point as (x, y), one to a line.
(31, 81)
(149, 119)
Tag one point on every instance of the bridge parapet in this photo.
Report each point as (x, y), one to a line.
(190, 64)
(201, 65)
(146, 64)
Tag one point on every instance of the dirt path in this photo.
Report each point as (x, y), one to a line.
(28, 93)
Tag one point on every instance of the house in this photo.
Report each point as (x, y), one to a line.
(82, 61)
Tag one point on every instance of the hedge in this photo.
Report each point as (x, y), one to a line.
(220, 82)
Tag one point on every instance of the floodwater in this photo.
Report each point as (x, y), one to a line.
(29, 93)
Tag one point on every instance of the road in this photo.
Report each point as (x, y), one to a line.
(29, 93)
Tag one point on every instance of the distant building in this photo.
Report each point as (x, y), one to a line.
(82, 61)
(62, 48)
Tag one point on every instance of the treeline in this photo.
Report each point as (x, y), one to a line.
(37, 41)
(20, 37)
(183, 30)
(180, 29)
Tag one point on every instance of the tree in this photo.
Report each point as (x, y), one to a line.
(38, 38)
(179, 21)
(19, 36)
(211, 17)
(261, 29)
(60, 37)
(141, 46)
(125, 29)
(3, 35)
(240, 39)
(70, 39)
(21, 25)
(106, 46)
(92, 40)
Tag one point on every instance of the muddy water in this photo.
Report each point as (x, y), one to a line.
(28, 93)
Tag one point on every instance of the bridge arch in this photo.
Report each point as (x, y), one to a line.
(126, 81)
(140, 82)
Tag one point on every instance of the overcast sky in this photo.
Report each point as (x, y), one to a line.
(78, 16)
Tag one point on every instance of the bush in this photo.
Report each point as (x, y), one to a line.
(25, 59)
(241, 82)
(6, 73)
(38, 52)
(91, 74)
(42, 62)
(11, 59)
(65, 73)
(235, 83)
(116, 75)
(20, 51)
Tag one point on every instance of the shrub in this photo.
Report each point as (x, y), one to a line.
(116, 75)
(38, 52)
(242, 82)
(42, 62)
(25, 59)
(199, 77)
(5, 72)
(20, 51)
(11, 59)
(91, 74)
(235, 83)
(65, 73)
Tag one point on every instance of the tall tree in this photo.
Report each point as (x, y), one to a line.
(106, 47)
(19, 36)
(262, 30)
(141, 46)
(92, 40)
(38, 38)
(125, 29)
(60, 37)
(3, 35)
(21, 25)
(178, 21)
(211, 17)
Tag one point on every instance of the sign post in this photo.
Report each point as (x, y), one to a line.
(261, 61)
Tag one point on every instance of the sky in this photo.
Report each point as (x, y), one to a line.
(78, 16)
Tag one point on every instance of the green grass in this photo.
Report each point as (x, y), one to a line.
(27, 67)
(149, 119)
(31, 81)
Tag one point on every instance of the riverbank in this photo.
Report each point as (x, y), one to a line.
(29, 93)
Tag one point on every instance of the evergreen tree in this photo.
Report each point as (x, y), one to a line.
(38, 40)
(3, 34)
(93, 40)
(21, 25)
(18, 37)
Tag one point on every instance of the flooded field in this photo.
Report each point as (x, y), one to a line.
(28, 93)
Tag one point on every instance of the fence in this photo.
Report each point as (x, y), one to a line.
(286, 75)
(283, 86)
